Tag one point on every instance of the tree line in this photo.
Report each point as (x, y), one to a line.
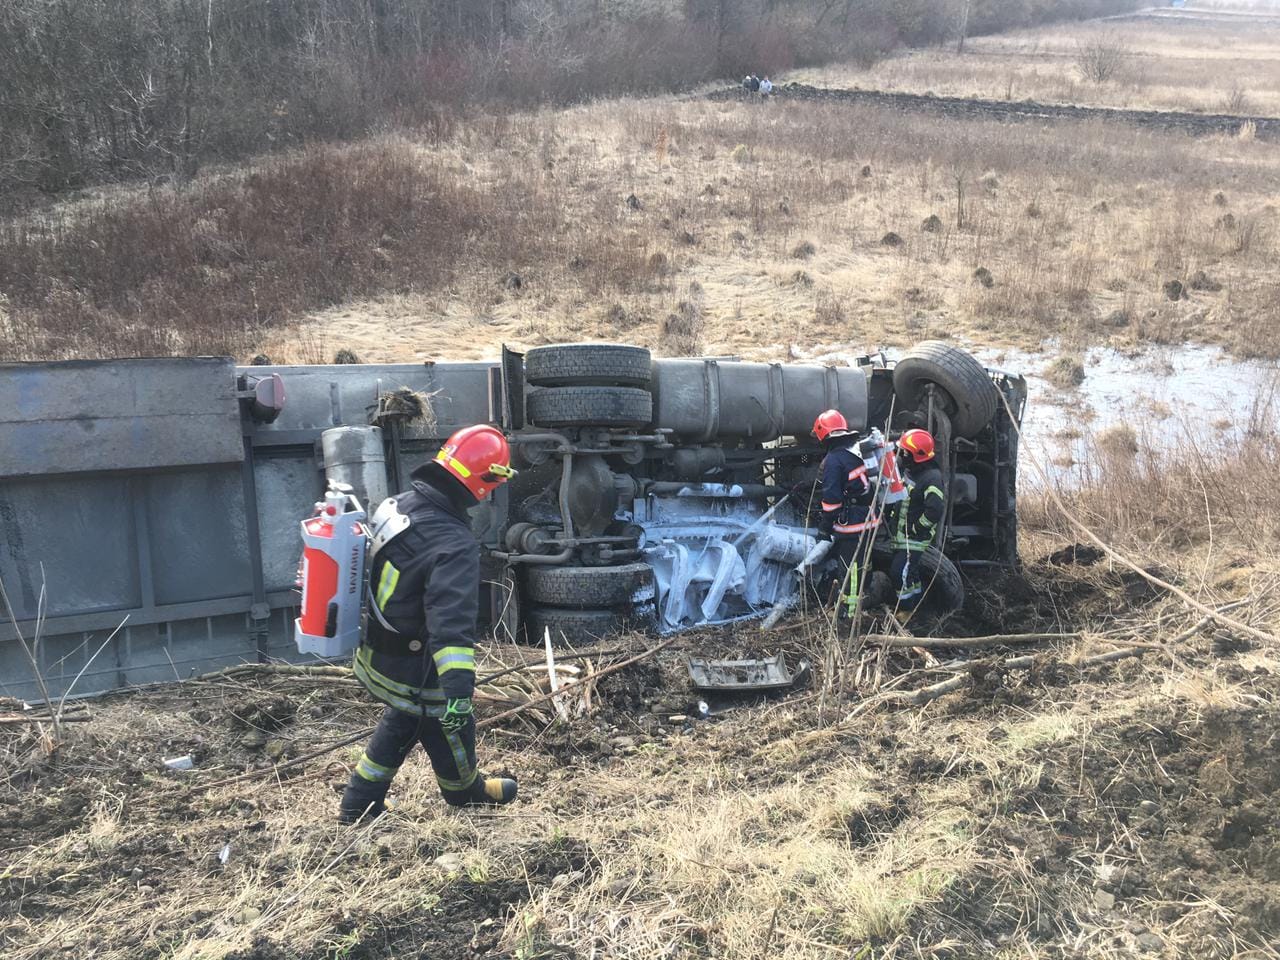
(100, 90)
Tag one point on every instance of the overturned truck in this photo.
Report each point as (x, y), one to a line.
(165, 495)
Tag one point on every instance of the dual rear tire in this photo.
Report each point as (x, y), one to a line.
(589, 385)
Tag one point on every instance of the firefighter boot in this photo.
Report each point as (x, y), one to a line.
(492, 791)
(362, 801)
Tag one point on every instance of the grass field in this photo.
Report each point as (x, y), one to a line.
(772, 230)
(1219, 62)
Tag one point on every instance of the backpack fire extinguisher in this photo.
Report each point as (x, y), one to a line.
(332, 575)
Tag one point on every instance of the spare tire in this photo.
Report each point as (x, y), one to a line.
(576, 627)
(588, 586)
(588, 365)
(590, 407)
(964, 388)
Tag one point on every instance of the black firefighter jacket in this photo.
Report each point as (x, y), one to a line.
(424, 586)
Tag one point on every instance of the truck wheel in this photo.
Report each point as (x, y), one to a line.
(590, 407)
(574, 627)
(966, 392)
(588, 365)
(587, 586)
(943, 588)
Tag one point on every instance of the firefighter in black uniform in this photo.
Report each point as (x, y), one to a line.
(915, 526)
(848, 497)
(418, 655)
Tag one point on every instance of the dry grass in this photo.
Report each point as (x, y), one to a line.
(1117, 213)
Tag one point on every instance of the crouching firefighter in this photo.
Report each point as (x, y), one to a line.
(418, 654)
(848, 476)
(918, 516)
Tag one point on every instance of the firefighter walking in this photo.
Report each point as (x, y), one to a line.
(418, 655)
(918, 516)
(848, 483)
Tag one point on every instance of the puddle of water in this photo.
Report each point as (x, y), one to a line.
(1156, 391)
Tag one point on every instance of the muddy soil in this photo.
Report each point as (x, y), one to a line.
(965, 108)
(1169, 821)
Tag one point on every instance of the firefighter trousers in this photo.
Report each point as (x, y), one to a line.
(452, 755)
(906, 574)
(852, 566)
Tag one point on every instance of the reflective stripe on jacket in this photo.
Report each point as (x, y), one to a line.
(848, 490)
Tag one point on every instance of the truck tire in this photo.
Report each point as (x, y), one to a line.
(967, 392)
(582, 587)
(590, 407)
(588, 365)
(943, 586)
(574, 627)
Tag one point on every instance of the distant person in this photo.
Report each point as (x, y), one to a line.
(755, 84)
(746, 83)
(766, 87)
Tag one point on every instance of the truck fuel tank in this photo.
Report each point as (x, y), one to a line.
(718, 400)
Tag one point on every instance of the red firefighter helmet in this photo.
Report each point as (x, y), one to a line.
(918, 443)
(830, 423)
(479, 457)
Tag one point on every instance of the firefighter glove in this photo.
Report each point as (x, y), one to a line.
(457, 713)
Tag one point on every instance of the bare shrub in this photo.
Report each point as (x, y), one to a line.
(1101, 59)
(208, 269)
(1236, 100)
(828, 309)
